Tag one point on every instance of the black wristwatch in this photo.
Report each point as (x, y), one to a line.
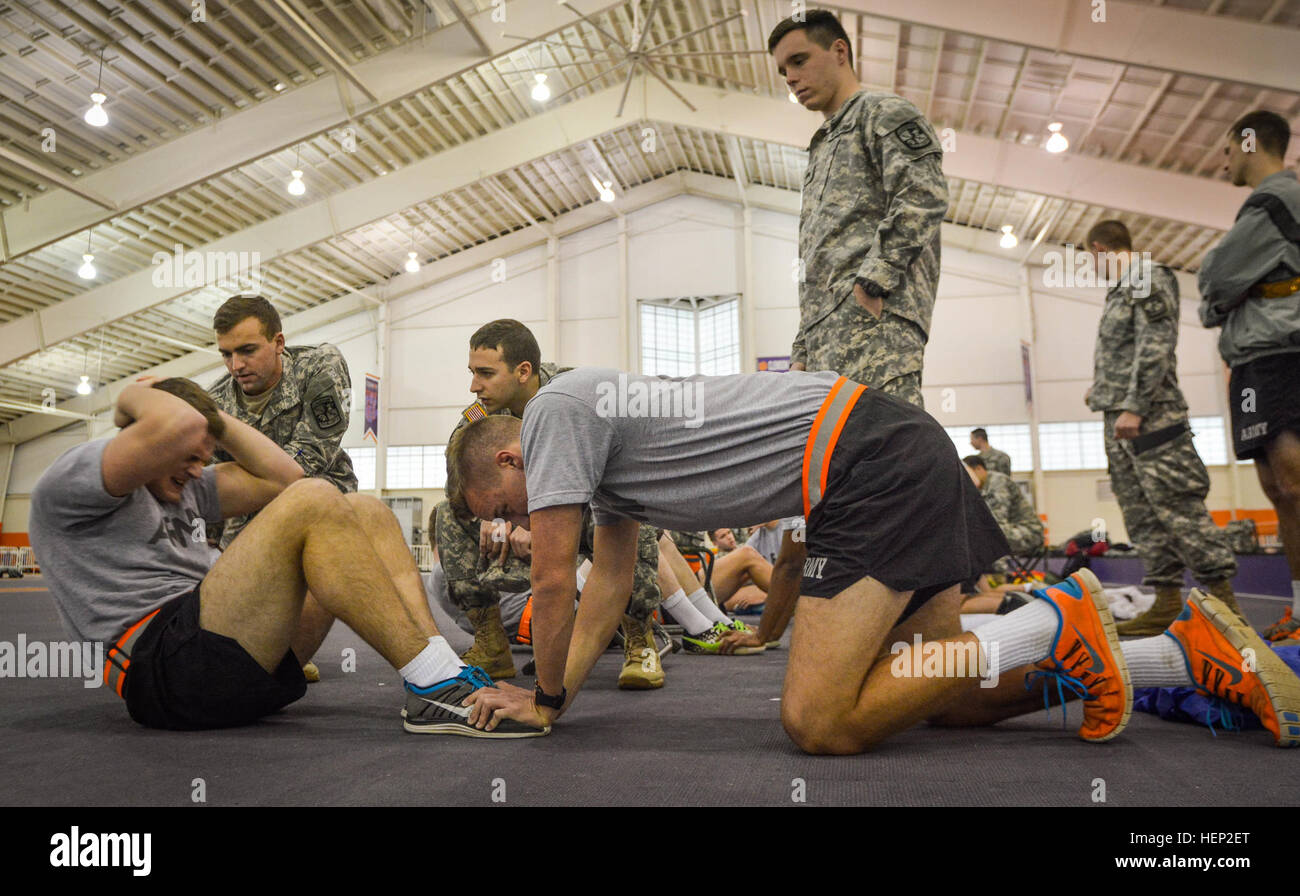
(873, 290)
(541, 698)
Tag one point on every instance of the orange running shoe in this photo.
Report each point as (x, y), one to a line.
(1086, 657)
(1228, 660)
(1286, 627)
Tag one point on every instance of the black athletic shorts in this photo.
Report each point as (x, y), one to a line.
(1272, 406)
(898, 507)
(185, 678)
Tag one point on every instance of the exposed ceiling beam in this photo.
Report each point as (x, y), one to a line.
(1157, 37)
(55, 178)
(987, 160)
(335, 61)
(679, 183)
(291, 117)
(1140, 190)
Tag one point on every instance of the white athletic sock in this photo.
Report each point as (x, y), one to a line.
(1021, 637)
(1156, 663)
(685, 613)
(1295, 597)
(436, 662)
(701, 601)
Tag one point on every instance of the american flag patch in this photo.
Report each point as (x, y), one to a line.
(474, 412)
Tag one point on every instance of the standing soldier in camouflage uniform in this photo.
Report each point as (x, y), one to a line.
(507, 370)
(1015, 515)
(1250, 286)
(995, 461)
(1155, 472)
(874, 197)
(297, 396)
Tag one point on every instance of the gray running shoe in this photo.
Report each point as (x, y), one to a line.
(437, 710)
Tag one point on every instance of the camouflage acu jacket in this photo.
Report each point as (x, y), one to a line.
(1135, 363)
(874, 196)
(307, 416)
(1015, 515)
(996, 461)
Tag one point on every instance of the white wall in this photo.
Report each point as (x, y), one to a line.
(694, 246)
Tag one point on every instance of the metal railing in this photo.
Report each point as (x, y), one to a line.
(423, 556)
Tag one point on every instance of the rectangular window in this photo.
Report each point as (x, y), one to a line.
(1072, 446)
(1012, 438)
(694, 334)
(1207, 436)
(363, 462)
(417, 466)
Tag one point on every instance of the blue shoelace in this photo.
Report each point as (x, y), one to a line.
(475, 676)
(470, 675)
(1064, 682)
(1229, 719)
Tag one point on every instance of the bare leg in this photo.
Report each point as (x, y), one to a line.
(982, 603)
(308, 537)
(314, 625)
(748, 596)
(681, 571)
(742, 566)
(1279, 476)
(983, 706)
(844, 692)
(386, 535)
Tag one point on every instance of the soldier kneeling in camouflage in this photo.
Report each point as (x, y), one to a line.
(477, 582)
(1015, 515)
(506, 368)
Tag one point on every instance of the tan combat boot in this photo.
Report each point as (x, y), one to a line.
(1222, 589)
(491, 650)
(1169, 603)
(642, 670)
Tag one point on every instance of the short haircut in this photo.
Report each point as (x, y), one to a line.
(192, 394)
(981, 433)
(239, 308)
(470, 461)
(823, 29)
(1272, 132)
(974, 460)
(713, 533)
(1111, 235)
(516, 342)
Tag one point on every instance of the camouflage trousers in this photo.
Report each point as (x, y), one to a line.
(1023, 538)
(885, 353)
(645, 597)
(473, 583)
(1161, 493)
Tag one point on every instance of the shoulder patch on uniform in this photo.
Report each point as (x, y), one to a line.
(326, 411)
(1154, 307)
(476, 411)
(912, 135)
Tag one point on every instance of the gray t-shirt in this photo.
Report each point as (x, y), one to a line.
(768, 541)
(111, 561)
(686, 453)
